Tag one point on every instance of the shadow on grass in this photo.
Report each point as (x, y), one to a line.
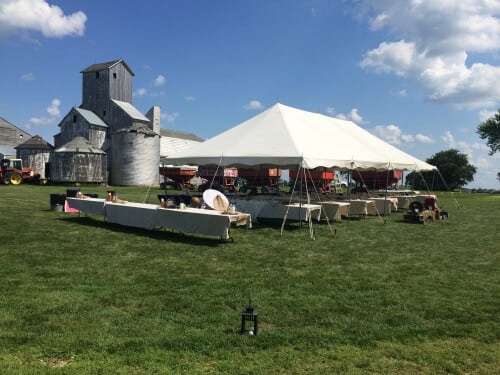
(156, 234)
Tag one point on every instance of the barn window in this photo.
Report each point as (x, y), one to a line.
(114, 75)
(97, 75)
(74, 118)
(104, 113)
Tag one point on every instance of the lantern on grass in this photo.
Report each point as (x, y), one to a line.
(249, 314)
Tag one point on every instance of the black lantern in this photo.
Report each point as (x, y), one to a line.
(249, 314)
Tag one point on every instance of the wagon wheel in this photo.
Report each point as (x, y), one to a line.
(14, 178)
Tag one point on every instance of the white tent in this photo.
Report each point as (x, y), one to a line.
(288, 137)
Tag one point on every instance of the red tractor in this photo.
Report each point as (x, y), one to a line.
(13, 172)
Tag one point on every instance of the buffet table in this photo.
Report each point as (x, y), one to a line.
(200, 221)
(265, 209)
(149, 216)
(138, 215)
(362, 207)
(92, 206)
(385, 205)
(334, 210)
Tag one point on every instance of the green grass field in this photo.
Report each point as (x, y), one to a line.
(80, 296)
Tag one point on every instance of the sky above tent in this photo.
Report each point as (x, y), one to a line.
(421, 75)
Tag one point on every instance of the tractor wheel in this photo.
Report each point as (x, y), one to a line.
(14, 178)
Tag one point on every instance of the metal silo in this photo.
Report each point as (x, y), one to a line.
(135, 156)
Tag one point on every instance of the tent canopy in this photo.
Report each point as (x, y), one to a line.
(287, 137)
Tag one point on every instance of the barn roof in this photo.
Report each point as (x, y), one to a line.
(137, 128)
(35, 142)
(11, 135)
(180, 135)
(130, 110)
(106, 65)
(90, 117)
(80, 145)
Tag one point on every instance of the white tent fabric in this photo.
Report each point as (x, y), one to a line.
(288, 137)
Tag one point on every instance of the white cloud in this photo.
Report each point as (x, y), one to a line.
(169, 117)
(253, 105)
(462, 146)
(53, 111)
(190, 98)
(353, 116)
(389, 133)
(28, 77)
(423, 138)
(397, 57)
(356, 117)
(330, 111)
(486, 114)
(480, 147)
(140, 92)
(39, 15)
(394, 135)
(435, 38)
(53, 108)
(159, 81)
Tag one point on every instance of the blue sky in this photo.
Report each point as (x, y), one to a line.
(420, 74)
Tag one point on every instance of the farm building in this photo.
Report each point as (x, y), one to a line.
(130, 141)
(80, 122)
(35, 153)
(105, 118)
(10, 137)
(78, 161)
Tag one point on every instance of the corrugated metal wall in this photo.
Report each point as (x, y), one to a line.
(34, 159)
(135, 158)
(78, 167)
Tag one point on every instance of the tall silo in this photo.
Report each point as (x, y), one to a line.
(78, 161)
(35, 153)
(135, 156)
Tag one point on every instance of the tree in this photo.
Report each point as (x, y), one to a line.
(490, 130)
(453, 166)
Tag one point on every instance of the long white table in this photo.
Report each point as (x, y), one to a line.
(92, 206)
(200, 221)
(265, 209)
(150, 216)
(362, 207)
(138, 215)
(385, 205)
(334, 210)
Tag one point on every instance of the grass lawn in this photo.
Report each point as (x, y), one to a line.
(80, 296)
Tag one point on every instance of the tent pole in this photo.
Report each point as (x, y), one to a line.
(386, 192)
(164, 178)
(349, 191)
(300, 200)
